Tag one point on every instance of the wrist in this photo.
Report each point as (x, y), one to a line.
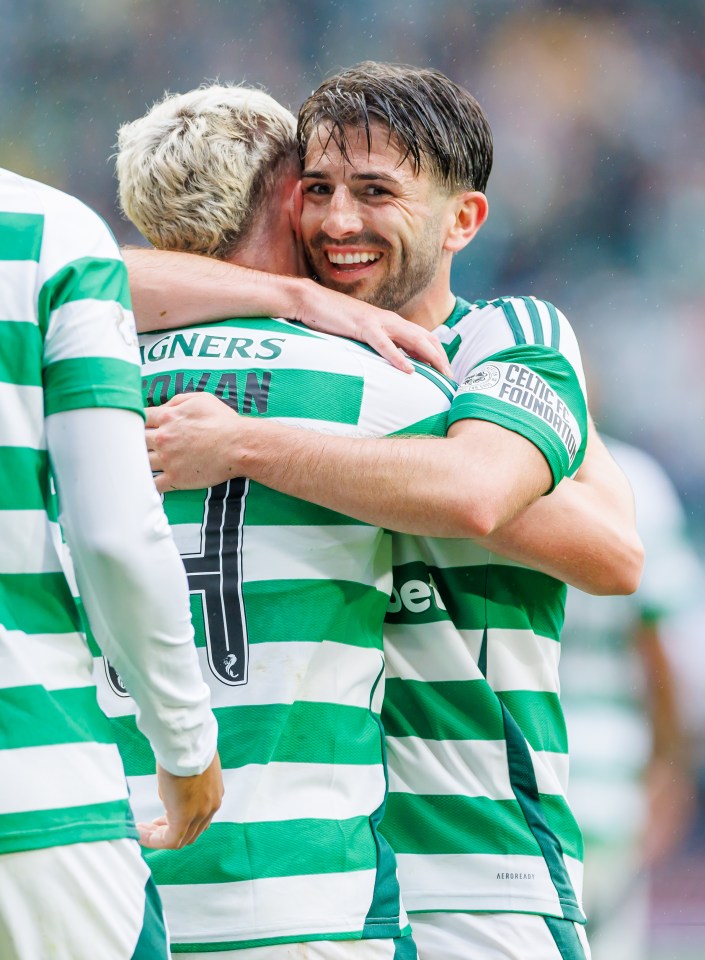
(248, 450)
(289, 295)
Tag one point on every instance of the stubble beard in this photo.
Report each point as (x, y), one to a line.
(417, 268)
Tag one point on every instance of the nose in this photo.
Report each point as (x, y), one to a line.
(343, 215)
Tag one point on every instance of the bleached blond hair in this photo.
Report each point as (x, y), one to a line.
(196, 169)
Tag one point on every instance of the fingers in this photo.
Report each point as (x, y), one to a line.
(154, 417)
(386, 348)
(162, 483)
(162, 835)
(418, 343)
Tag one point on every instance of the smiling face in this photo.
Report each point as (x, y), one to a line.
(371, 227)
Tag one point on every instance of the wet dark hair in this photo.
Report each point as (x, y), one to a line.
(439, 126)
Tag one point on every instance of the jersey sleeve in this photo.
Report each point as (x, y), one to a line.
(517, 363)
(91, 358)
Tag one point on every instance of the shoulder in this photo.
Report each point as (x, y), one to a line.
(514, 320)
(486, 328)
(65, 229)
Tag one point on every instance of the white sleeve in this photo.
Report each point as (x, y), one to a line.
(131, 579)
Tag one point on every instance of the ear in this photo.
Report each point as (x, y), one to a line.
(295, 207)
(467, 214)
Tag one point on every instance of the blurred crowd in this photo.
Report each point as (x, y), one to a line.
(597, 197)
(598, 109)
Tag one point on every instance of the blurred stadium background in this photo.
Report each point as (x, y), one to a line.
(597, 198)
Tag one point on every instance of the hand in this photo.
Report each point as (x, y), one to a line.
(384, 331)
(186, 441)
(189, 805)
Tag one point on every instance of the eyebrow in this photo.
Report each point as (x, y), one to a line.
(318, 175)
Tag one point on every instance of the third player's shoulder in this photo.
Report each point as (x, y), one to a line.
(73, 232)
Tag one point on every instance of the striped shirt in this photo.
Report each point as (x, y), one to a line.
(66, 342)
(476, 741)
(288, 602)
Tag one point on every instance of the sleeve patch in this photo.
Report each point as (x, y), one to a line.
(519, 386)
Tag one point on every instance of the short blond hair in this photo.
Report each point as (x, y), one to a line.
(195, 168)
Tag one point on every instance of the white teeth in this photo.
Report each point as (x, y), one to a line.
(353, 257)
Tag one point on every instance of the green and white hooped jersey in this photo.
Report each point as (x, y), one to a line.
(288, 602)
(67, 342)
(476, 742)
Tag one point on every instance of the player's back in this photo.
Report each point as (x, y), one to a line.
(61, 776)
(288, 601)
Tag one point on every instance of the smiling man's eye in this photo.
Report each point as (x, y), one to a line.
(317, 189)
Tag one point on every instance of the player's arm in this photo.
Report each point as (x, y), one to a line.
(584, 532)
(469, 484)
(133, 586)
(669, 778)
(171, 289)
(464, 485)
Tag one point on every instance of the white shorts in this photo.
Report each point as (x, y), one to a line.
(497, 936)
(401, 948)
(82, 901)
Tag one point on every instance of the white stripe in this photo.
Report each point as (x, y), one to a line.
(302, 907)
(458, 881)
(72, 231)
(468, 768)
(522, 660)
(26, 543)
(415, 398)
(324, 672)
(64, 775)
(22, 422)
(91, 328)
(17, 283)
(439, 552)
(258, 793)
(352, 552)
(55, 660)
(432, 652)
(360, 554)
(551, 770)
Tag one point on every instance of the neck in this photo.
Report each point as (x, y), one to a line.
(433, 305)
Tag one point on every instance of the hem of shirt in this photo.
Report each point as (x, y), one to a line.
(381, 929)
(562, 910)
